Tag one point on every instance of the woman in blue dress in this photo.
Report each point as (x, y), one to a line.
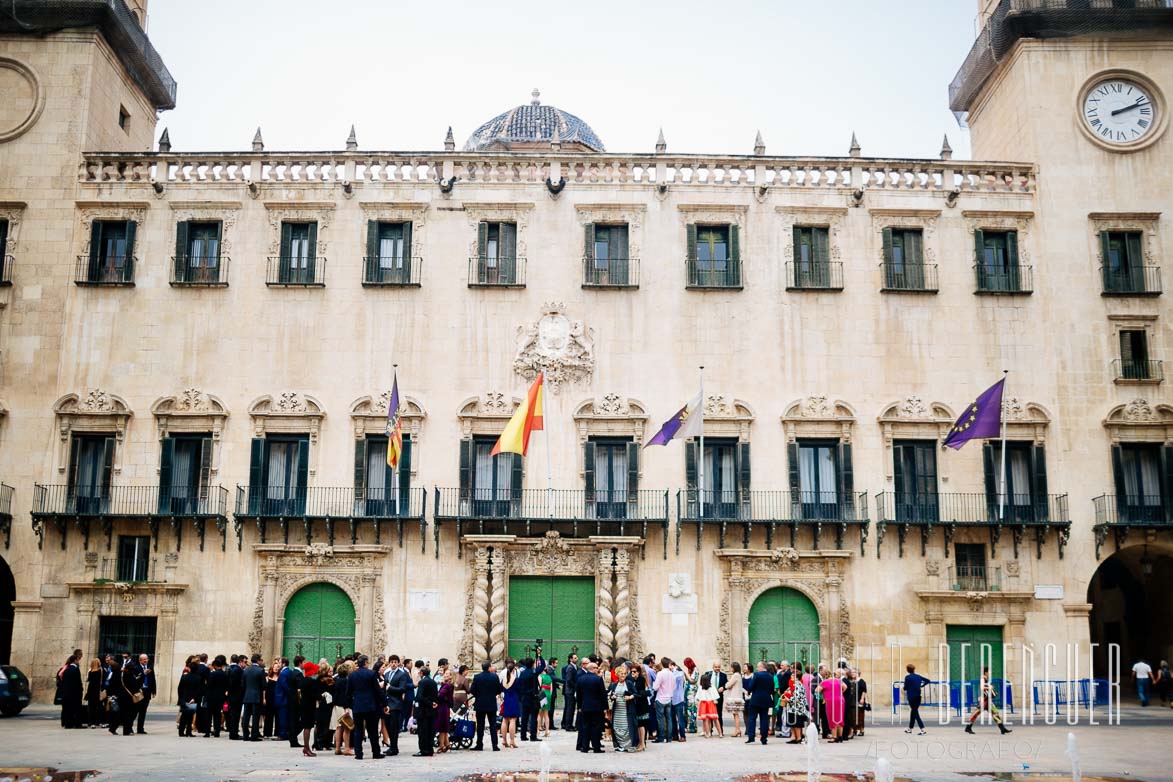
(511, 707)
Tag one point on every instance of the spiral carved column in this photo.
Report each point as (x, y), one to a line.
(480, 607)
(622, 603)
(497, 609)
(606, 604)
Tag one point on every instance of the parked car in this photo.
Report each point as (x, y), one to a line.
(15, 692)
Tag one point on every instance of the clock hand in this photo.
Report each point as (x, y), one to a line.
(1128, 108)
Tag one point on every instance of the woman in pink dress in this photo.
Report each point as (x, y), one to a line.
(832, 689)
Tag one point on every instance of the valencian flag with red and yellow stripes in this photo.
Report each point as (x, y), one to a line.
(527, 418)
(394, 427)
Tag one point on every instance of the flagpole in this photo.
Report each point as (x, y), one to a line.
(549, 471)
(1002, 469)
(700, 471)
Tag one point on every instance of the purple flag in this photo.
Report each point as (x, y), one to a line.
(980, 420)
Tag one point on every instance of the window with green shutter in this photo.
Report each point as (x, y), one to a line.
(1134, 355)
(5, 258)
(714, 256)
(1122, 256)
(904, 266)
(298, 253)
(388, 260)
(998, 270)
(811, 268)
(606, 255)
(497, 261)
(111, 258)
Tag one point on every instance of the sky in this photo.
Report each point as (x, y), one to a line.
(712, 74)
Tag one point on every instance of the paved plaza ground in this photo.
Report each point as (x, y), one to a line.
(1141, 748)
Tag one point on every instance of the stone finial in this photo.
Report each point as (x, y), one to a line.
(661, 144)
(258, 142)
(536, 97)
(759, 146)
(854, 150)
(351, 140)
(946, 150)
(449, 142)
(556, 139)
(165, 141)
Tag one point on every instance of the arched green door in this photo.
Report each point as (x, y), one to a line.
(784, 625)
(319, 622)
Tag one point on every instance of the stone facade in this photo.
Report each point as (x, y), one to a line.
(853, 364)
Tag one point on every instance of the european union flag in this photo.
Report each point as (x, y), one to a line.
(981, 420)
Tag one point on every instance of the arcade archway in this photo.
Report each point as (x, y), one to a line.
(1131, 595)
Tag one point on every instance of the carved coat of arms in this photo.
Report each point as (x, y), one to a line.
(554, 344)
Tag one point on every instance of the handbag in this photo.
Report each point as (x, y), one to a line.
(113, 705)
(346, 721)
(189, 707)
(136, 696)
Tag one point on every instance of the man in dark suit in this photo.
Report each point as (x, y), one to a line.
(293, 688)
(235, 694)
(203, 670)
(591, 698)
(759, 693)
(366, 704)
(150, 688)
(719, 682)
(253, 680)
(215, 695)
(71, 694)
(426, 693)
(398, 683)
(485, 688)
(569, 678)
(527, 698)
(279, 703)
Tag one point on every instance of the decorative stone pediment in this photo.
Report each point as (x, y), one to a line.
(715, 214)
(1140, 420)
(829, 217)
(13, 212)
(554, 344)
(290, 412)
(89, 211)
(915, 419)
(280, 212)
(193, 412)
(610, 415)
(516, 213)
(1025, 420)
(95, 411)
(1147, 224)
(924, 219)
(632, 215)
(369, 414)
(996, 220)
(223, 212)
(725, 417)
(818, 416)
(486, 414)
(401, 212)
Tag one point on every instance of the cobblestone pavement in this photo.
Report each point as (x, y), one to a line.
(1140, 748)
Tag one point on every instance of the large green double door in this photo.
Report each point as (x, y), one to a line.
(981, 646)
(319, 622)
(784, 625)
(560, 610)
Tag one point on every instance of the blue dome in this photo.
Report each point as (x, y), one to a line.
(534, 124)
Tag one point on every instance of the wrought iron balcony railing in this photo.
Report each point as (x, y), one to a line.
(6, 262)
(140, 501)
(496, 272)
(610, 272)
(329, 501)
(199, 271)
(973, 508)
(1016, 280)
(975, 578)
(284, 271)
(135, 570)
(909, 277)
(113, 270)
(814, 276)
(1135, 509)
(714, 274)
(572, 512)
(770, 509)
(392, 271)
(1137, 281)
(6, 494)
(1140, 371)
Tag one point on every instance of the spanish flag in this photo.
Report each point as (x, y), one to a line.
(394, 427)
(527, 418)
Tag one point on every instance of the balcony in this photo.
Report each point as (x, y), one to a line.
(380, 271)
(909, 277)
(1122, 513)
(714, 275)
(112, 271)
(61, 504)
(128, 570)
(6, 493)
(1134, 371)
(771, 509)
(975, 578)
(6, 262)
(1139, 281)
(496, 272)
(283, 271)
(206, 272)
(610, 273)
(815, 276)
(329, 505)
(950, 511)
(572, 512)
(1017, 281)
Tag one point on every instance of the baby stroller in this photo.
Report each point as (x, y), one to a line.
(461, 729)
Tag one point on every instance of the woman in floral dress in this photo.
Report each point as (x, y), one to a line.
(691, 685)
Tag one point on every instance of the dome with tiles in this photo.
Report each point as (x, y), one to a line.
(534, 126)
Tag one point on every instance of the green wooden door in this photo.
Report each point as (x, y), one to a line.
(784, 625)
(319, 622)
(559, 610)
(981, 644)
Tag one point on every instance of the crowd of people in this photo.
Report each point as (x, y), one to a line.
(343, 706)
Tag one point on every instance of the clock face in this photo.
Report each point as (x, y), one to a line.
(1119, 111)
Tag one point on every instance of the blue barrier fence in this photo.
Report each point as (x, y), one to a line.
(959, 697)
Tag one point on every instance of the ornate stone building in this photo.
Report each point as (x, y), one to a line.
(197, 360)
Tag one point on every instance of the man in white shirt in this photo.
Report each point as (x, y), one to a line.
(1142, 673)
